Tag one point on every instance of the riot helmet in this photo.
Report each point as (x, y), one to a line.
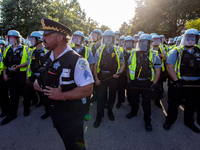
(108, 38)
(78, 38)
(144, 43)
(14, 37)
(35, 38)
(128, 42)
(190, 38)
(156, 40)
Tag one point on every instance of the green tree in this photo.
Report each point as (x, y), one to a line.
(23, 15)
(124, 29)
(193, 24)
(104, 28)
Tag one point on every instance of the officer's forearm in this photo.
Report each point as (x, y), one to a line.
(21, 65)
(171, 72)
(78, 92)
(95, 72)
(157, 75)
(122, 66)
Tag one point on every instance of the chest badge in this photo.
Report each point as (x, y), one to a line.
(113, 54)
(56, 65)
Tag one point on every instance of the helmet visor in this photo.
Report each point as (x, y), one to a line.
(94, 36)
(121, 42)
(77, 39)
(156, 41)
(129, 44)
(117, 36)
(12, 40)
(108, 40)
(143, 45)
(188, 40)
(32, 40)
(136, 38)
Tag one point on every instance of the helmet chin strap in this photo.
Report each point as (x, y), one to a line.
(189, 46)
(97, 39)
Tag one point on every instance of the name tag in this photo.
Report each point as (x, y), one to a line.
(66, 73)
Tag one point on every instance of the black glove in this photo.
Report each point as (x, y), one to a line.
(153, 87)
(154, 91)
(178, 83)
(29, 83)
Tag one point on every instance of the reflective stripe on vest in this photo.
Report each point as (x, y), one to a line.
(178, 61)
(132, 67)
(117, 50)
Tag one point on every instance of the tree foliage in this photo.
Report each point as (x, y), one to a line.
(162, 17)
(193, 24)
(25, 15)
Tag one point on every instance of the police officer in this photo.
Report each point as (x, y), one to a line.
(35, 61)
(15, 59)
(121, 41)
(65, 78)
(108, 67)
(128, 47)
(96, 37)
(85, 52)
(144, 73)
(136, 38)
(156, 46)
(183, 66)
(117, 36)
(86, 41)
(164, 43)
(3, 84)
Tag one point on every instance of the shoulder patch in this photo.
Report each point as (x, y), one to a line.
(86, 74)
(82, 64)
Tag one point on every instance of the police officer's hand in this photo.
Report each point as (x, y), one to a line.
(28, 82)
(14, 67)
(178, 83)
(153, 87)
(6, 77)
(53, 93)
(116, 76)
(161, 55)
(36, 86)
(97, 82)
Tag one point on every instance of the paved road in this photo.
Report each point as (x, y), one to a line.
(32, 133)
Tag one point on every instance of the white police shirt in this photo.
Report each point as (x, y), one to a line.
(82, 73)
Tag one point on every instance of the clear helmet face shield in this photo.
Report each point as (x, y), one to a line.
(95, 36)
(1, 46)
(121, 42)
(108, 40)
(128, 44)
(171, 42)
(117, 37)
(12, 40)
(76, 39)
(156, 41)
(143, 45)
(188, 40)
(32, 41)
(136, 38)
(163, 39)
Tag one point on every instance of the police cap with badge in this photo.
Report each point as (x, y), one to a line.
(50, 26)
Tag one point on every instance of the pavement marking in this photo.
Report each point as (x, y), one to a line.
(164, 111)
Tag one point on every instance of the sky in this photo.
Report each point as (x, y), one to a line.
(111, 13)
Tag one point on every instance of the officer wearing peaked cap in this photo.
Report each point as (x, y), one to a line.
(65, 78)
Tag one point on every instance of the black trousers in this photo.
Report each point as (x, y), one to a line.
(4, 101)
(70, 129)
(146, 102)
(102, 94)
(17, 86)
(122, 86)
(176, 96)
